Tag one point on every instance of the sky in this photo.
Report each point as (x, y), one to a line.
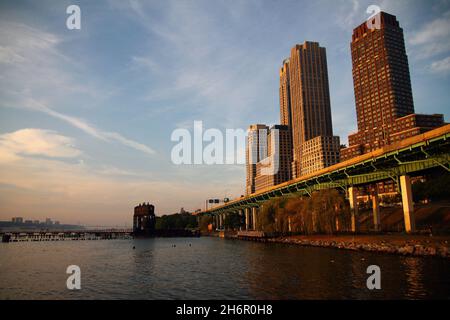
(86, 116)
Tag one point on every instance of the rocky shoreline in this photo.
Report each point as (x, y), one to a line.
(408, 248)
(399, 244)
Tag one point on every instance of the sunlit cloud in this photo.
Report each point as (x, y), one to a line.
(36, 142)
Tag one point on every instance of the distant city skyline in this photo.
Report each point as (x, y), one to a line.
(86, 115)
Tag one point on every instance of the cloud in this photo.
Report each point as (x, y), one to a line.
(33, 64)
(26, 51)
(73, 192)
(89, 129)
(35, 70)
(433, 38)
(205, 65)
(145, 62)
(35, 142)
(348, 17)
(435, 30)
(441, 66)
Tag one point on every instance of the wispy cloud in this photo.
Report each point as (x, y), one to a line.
(90, 129)
(441, 66)
(432, 39)
(34, 67)
(73, 193)
(435, 30)
(348, 14)
(219, 79)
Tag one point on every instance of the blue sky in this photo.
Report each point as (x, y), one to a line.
(86, 115)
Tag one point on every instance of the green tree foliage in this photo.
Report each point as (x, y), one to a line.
(176, 221)
(204, 222)
(434, 188)
(267, 215)
(325, 212)
(232, 221)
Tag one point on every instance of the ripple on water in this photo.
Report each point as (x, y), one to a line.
(211, 268)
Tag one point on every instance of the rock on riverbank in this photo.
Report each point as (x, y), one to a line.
(397, 244)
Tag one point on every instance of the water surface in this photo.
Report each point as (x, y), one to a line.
(211, 268)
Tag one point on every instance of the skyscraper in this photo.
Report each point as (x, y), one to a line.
(285, 95)
(310, 108)
(276, 167)
(256, 150)
(382, 87)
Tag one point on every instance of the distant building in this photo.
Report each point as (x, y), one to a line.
(144, 219)
(36, 222)
(48, 221)
(17, 220)
(256, 150)
(276, 167)
(28, 222)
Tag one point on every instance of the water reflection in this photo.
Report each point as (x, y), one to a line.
(211, 268)
(414, 281)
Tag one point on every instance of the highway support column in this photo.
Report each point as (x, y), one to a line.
(408, 205)
(376, 211)
(254, 217)
(220, 221)
(247, 218)
(353, 208)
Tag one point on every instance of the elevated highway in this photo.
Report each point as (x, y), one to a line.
(397, 162)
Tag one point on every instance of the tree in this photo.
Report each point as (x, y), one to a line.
(434, 188)
(266, 218)
(204, 222)
(176, 221)
(232, 221)
(326, 211)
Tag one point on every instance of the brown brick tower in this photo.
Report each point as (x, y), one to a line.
(382, 87)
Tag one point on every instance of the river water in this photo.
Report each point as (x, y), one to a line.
(211, 268)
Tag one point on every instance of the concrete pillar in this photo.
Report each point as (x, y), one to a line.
(353, 208)
(408, 205)
(254, 217)
(376, 212)
(220, 221)
(247, 218)
(225, 215)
